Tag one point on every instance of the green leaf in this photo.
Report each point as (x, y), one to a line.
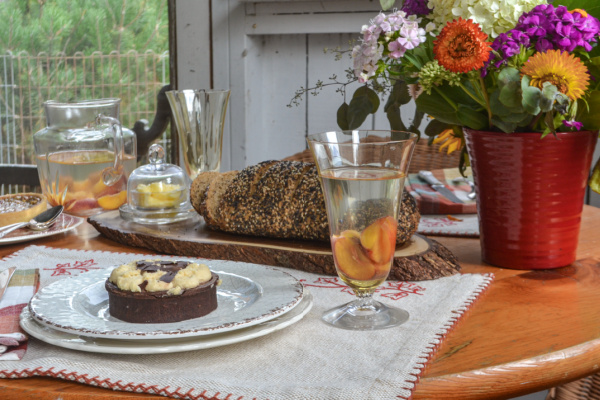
(549, 121)
(472, 118)
(549, 92)
(342, 117)
(386, 4)
(398, 96)
(435, 127)
(531, 100)
(370, 95)
(590, 118)
(505, 126)
(438, 106)
(358, 111)
(395, 120)
(595, 179)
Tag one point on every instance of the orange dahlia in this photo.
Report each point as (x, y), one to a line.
(563, 70)
(461, 46)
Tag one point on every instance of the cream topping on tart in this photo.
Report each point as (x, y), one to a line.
(174, 277)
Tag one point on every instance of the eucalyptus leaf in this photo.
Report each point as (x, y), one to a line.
(358, 110)
(509, 75)
(498, 108)
(510, 95)
(370, 94)
(531, 100)
(398, 96)
(549, 92)
(395, 120)
(342, 117)
(509, 81)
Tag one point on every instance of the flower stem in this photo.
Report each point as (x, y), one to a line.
(471, 95)
(487, 100)
(453, 104)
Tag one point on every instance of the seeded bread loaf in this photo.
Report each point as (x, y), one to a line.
(279, 199)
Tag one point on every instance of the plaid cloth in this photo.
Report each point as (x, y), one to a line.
(431, 202)
(23, 285)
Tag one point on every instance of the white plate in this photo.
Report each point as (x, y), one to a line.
(162, 346)
(249, 294)
(63, 223)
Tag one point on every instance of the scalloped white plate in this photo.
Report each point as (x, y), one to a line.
(248, 295)
(162, 346)
(64, 223)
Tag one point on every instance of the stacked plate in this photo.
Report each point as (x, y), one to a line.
(253, 301)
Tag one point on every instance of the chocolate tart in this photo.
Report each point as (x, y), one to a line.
(161, 307)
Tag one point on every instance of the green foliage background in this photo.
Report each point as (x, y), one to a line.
(70, 50)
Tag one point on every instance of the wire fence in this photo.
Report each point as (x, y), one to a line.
(27, 81)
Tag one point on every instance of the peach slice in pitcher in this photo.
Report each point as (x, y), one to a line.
(351, 258)
(379, 240)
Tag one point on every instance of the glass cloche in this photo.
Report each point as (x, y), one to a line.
(158, 192)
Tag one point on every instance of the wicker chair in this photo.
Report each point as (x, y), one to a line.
(587, 388)
(21, 178)
(425, 157)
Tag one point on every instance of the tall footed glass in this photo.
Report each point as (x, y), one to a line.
(362, 174)
(200, 118)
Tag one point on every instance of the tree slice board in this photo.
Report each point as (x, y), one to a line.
(419, 259)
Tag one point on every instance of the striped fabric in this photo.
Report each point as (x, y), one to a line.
(431, 202)
(22, 286)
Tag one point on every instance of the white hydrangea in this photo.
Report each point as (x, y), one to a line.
(494, 16)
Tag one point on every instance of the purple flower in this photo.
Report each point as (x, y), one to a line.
(415, 7)
(545, 28)
(573, 124)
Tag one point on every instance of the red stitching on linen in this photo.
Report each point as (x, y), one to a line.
(106, 383)
(447, 328)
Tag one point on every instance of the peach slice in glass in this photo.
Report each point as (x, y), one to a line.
(379, 239)
(351, 258)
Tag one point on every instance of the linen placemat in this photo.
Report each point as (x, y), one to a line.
(308, 359)
(431, 202)
(464, 225)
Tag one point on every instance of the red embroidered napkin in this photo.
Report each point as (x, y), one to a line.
(22, 286)
(431, 202)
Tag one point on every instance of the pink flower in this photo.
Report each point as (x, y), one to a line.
(573, 124)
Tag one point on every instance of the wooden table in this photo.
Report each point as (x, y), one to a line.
(531, 330)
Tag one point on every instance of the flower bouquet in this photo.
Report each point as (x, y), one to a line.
(498, 65)
(518, 81)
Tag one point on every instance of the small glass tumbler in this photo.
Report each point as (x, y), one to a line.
(362, 174)
(199, 116)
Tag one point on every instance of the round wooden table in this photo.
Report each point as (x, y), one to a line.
(531, 330)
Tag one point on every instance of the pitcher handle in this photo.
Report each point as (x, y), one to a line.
(112, 174)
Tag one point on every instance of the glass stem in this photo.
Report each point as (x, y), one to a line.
(364, 299)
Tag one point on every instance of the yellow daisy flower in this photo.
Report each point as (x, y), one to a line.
(563, 70)
(450, 139)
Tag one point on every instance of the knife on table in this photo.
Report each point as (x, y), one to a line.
(439, 187)
(5, 278)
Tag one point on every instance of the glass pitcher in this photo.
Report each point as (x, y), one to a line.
(84, 156)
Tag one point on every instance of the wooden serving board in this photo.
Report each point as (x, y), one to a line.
(420, 259)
